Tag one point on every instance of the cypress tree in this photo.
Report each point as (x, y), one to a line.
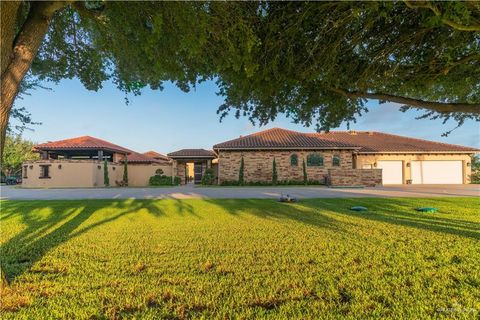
(240, 172)
(106, 180)
(305, 178)
(274, 172)
(125, 172)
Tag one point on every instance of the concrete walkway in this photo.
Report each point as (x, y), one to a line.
(190, 191)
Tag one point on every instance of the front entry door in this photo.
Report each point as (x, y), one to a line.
(197, 172)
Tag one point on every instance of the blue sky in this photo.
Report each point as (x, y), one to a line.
(169, 120)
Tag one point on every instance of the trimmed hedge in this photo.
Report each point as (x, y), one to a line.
(162, 180)
(278, 183)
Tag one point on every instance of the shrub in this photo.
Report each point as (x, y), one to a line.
(162, 180)
(475, 177)
(240, 172)
(315, 182)
(305, 178)
(208, 178)
(274, 172)
(475, 165)
(106, 179)
(268, 183)
(229, 183)
(125, 172)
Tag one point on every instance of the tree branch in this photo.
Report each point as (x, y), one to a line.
(83, 11)
(441, 107)
(475, 56)
(438, 13)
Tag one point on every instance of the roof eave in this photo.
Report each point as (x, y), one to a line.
(37, 149)
(419, 152)
(286, 148)
(193, 157)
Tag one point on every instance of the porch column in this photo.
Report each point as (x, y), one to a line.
(174, 170)
(44, 155)
(209, 164)
(100, 155)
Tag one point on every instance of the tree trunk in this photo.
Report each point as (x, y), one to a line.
(8, 22)
(25, 48)
(19, 52)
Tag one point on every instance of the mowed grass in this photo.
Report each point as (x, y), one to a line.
(245, 259)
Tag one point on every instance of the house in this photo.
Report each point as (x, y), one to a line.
(79, 162)
(344, 154)
(405, 160)
(200, 158)
(341, 158)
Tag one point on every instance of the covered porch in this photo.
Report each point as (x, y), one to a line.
(197, 159)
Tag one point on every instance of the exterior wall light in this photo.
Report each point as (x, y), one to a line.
(408, 164)
(99, 167)
(31, 167)
(375, 164)
(59, 166)
(468, 164)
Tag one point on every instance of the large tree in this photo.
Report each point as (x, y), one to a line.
(317, 62)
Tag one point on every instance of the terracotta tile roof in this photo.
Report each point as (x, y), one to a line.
(81, 143)
(364, 141)
(192, 153)
(283, 139)
(378, 142)
(135, 157)
(156, 155)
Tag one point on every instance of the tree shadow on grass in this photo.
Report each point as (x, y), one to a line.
(402, 212)
(48, 224)
(318, 212)
(270, 209)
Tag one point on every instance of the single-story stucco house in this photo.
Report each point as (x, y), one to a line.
(78, 162)
(346, 158)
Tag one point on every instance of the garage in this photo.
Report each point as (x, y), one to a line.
(437, 172)
(392, 171)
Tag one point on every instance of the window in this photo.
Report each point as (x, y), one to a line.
(294, 160)
(336, 160)
(25, 170)
(314, 160)
(45, 171)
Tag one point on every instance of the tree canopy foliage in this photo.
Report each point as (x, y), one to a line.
(317, 62)
(17, 151)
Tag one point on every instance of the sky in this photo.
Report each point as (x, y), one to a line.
(169, 120)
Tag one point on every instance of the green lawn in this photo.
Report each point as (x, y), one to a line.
(241, 259)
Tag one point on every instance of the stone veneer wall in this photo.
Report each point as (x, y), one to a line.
(181, 170)
(355, 177)
(258, 164)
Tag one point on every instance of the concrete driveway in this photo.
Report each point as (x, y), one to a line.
(191, 191)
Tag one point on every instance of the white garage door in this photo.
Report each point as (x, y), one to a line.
(437, 172)
(392, 172)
